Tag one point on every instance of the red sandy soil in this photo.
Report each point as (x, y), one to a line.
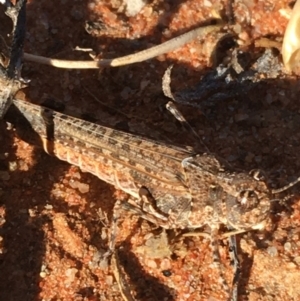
(53, 217)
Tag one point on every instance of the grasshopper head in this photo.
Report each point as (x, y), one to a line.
(248, 202)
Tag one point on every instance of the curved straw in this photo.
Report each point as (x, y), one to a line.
(140, 56)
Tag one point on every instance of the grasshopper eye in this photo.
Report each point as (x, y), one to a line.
(250, 210)
(248, 199)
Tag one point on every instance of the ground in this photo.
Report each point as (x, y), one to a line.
(53, 217)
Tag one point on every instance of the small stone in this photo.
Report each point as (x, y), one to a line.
(43, 274)
(103, 264)
(83, 188)
(71, 274)
(165, 264)
(291, 265)
(12, 166)
(109, 280)
(76, 175)
(287, 247)
(167, 273)
(207, 3)
(133, 7)
(156, 247)
(297, 260)
(32, 212)
(48, 207)
(151, 264)
(272, 251)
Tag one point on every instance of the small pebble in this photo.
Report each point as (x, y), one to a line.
(12, 166)
(43, 274)
(297, 260)
(287, 247)
(167, 273)
(151, 264)
(109, 280)
(272, 251)
(71, 274)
